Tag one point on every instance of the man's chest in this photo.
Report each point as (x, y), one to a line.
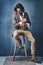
(19, 17)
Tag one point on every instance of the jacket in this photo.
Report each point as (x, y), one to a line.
(16, 20)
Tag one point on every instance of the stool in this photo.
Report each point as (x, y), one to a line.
(24, 47)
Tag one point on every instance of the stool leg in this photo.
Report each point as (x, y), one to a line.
(14, 52)
(25, 51)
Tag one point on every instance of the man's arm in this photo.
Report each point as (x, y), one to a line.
(27, 17)
(26, 20)
(14, 20)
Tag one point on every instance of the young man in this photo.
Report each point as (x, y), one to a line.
(21, 22)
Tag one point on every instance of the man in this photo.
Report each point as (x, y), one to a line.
(21, 22)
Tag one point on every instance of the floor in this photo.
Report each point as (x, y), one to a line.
(3, 58)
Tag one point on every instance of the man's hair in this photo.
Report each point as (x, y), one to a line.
(19, 5)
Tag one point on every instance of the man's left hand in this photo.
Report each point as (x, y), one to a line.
(24, 20)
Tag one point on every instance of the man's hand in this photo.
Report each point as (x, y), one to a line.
(24, 21)
(23, 24)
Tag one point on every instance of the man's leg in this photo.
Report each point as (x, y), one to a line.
(16, 37)
(32, 40)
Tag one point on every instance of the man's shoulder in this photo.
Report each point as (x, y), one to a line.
(25, 13)
(14, 14)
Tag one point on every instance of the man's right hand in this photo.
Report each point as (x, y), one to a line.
(23, 24)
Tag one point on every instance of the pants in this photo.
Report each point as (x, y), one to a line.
(28, 34)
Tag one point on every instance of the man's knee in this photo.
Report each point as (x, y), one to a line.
(15, 34)
(33, 40)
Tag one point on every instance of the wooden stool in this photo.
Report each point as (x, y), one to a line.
(25, 50)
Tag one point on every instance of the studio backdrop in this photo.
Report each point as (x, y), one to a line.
(34, 8)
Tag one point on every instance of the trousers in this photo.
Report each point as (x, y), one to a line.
(28, 34)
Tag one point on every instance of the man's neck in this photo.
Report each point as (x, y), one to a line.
(21, 14)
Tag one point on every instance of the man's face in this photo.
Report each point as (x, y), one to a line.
(19, 11)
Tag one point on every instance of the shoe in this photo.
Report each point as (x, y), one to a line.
(35, 60)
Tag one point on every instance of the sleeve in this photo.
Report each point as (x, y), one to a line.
(13, 19)
(26, 16)
(16, 25)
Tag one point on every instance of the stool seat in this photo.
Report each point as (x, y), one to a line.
(23, 47)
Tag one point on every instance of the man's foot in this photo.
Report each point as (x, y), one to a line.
(34, 59)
